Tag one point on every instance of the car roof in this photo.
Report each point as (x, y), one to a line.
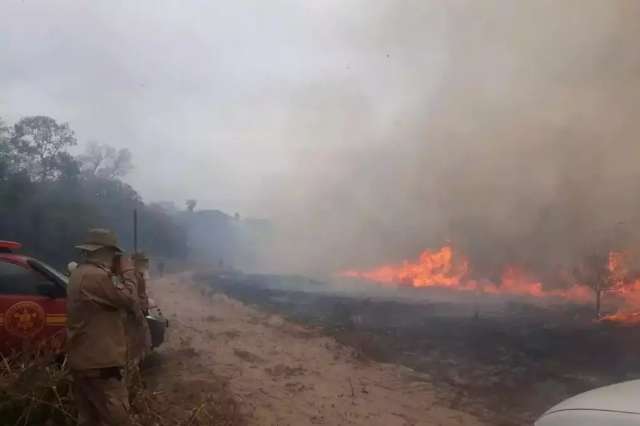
(620, 397)
(36, 265)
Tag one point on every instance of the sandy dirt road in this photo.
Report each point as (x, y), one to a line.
(285, 374)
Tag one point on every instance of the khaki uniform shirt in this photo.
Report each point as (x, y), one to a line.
(139, 337)
(97, 303)
(143, 297)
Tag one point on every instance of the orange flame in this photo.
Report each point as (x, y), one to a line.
(622, 285)
(448, 269)
(445, 268)
(433, 269)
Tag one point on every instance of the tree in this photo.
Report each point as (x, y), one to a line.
(4, 132)
(191, 205)
(105, 161)
(5, 151)
(160, 234)
(40, 145)
(594, 272)
(45, 206)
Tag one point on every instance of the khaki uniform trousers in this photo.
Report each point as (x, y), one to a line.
(101, 397)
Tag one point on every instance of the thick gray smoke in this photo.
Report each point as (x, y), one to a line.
(365, 130)
(514, 135)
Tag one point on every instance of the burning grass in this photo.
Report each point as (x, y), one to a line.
(448, 268)
(613, 275)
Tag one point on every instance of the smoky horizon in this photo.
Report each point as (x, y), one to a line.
(364, 133)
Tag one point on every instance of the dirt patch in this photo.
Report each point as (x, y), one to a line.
(248, 356)
(282, 373)
(178, 390)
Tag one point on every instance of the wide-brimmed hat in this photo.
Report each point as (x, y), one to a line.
(99, 238)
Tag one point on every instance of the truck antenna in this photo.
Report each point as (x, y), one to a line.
(135, 230)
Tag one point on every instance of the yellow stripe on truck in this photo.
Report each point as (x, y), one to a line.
(56, 320)
(52, 320)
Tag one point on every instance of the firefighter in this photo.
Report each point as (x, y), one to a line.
(71, 266)
(101, 294)
(139, 337)
(141, 264)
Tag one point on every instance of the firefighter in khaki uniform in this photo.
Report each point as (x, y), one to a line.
(141, 264)
(98, 302)
(138, 334)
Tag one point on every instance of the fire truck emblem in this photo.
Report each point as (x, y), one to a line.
(24, 319)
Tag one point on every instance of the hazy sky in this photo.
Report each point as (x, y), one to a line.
(206, 93)
(369, 129)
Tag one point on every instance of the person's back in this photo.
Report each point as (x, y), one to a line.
(91, 312)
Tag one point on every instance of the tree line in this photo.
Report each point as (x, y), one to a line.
(49, 197)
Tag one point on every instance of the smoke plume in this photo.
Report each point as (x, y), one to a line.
(512, 133)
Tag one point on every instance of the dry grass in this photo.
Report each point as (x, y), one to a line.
(36, 390)
(157, 409)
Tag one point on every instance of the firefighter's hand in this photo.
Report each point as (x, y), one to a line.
(126, 263)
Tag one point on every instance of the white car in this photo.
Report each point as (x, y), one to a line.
(615, 405)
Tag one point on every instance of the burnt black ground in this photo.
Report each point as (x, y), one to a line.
(506, 368)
